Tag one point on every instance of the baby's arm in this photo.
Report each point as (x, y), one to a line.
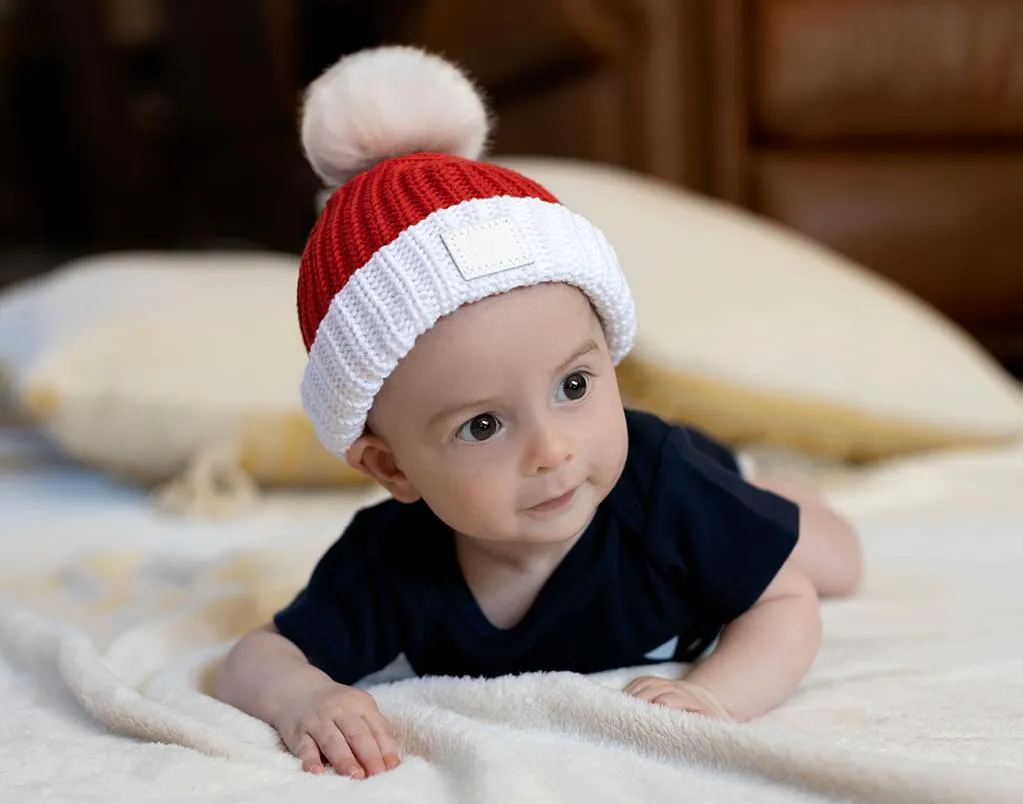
(764, 654)
(267, 677)
(829, 550)
(760, 660)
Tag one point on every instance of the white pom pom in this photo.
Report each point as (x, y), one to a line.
(386, 102)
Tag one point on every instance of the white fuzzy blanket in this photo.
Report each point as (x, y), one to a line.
(111, 618)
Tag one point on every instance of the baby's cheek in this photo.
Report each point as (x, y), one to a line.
(482, 499)
(469, 500)
(613, 454)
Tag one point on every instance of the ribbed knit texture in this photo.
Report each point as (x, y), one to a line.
(374, 207)
(377, 272)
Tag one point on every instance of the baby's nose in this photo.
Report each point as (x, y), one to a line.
(551, 448)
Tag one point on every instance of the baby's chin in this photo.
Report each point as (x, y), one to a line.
(528, 530)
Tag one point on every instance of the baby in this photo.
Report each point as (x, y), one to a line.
(463, 329)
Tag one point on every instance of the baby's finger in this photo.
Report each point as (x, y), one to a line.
(704, 700)
(363, 744)
(309, 753)
(388, 747)
(642, 687)
(673, 700)
(683, 704)
(649, 694)
(335, 748)
(643, 681)
(633, 685)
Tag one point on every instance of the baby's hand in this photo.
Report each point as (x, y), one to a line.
(341, 723)
(677, 694)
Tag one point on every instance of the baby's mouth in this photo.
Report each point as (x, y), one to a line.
(554, 503)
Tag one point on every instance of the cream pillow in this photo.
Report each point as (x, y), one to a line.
(145, 364)
(760, 336)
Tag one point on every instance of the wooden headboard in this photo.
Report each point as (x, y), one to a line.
(889, 131)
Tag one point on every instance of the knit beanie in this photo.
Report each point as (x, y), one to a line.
(418, 226)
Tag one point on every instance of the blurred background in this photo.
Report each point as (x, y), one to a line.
(888, 130)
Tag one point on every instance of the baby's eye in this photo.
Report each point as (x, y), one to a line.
(573, 387)
(479, 428)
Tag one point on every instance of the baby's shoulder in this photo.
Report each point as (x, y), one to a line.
(647, 432)
(648, 435)
(394, 538)
(656, 446)
(672, 470)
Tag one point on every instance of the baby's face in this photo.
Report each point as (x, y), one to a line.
(506, 416)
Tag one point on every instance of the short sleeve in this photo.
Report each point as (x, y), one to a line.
(345, 620)
(714, 450)
(725, 537)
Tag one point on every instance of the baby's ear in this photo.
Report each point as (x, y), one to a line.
(371, 456)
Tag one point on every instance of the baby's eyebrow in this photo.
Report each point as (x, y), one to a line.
(585, 349)
(447, 413)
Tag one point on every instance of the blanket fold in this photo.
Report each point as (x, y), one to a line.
(547, 736)
(113, 622)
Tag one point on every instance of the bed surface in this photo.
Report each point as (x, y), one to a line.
(111, 616)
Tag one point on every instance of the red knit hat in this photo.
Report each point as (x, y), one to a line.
(418, 228)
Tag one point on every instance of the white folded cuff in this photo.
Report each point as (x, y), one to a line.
(454, 256)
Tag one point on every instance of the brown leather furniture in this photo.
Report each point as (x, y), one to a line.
(890, 130)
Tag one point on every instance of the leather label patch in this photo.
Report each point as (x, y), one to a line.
(487, 248)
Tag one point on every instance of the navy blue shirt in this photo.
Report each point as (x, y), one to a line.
(680, 547)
